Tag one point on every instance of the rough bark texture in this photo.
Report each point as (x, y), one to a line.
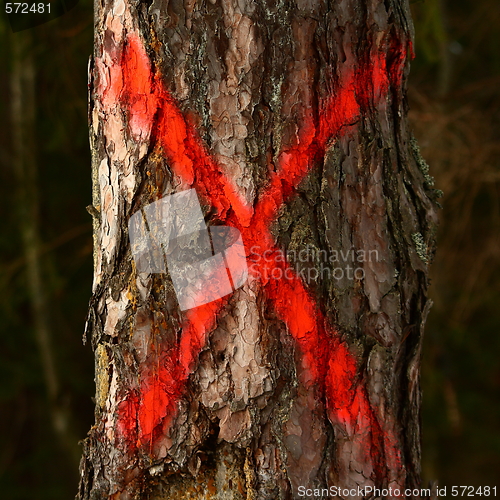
(254, 419)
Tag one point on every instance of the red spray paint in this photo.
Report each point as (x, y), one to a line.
(327, 359)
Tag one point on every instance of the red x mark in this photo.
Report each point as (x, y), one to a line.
(326, 359)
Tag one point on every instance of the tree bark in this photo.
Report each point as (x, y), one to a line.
(290, 121)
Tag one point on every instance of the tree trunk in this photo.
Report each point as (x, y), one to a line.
(289, 119)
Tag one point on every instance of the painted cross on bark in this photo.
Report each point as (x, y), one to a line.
(329, 368)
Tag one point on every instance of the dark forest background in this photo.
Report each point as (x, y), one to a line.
(455, 112)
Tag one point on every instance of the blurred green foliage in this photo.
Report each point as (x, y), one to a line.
(455, 110)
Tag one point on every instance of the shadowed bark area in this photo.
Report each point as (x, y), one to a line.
(289, 120)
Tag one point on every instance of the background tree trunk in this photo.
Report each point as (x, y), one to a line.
(24, 161)
(249, 401)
